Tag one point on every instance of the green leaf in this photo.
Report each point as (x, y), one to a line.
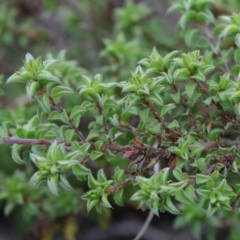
(181, 197)
(190, 193)
(199, 76)
(50, 64)
(222, 186)
(16, 148)
(186, 18)
(31, 89)
(52, 153)
(215, 133)
(145, 62)
(59, 91)
(175, 7)
(194, 98)
(173, 124)
(201, 178)
(37, 159)
(118, 197)
(92, 182)
(79, 170)
(95, 155)
(119, 175)
(145, 115)
(29, 58)
(68, 135)
(181, 74)
(98, 145)
(88, 91)
(36, 179)
(143, 92)
(167, 108)
(92, 134)
(179, 175)
(87, 80)
(137, 196)
(64, 183)
(129, 87)
(9, 207)
(52, 183)
(176, 97)
(170, 206)
(195, 150)
(186, 59)
(204, 193)
(165, 174)
(62, 116)
(21, 132)
(76, 113)
(155, 206)
(110, 103)
(201, 164)
(101, 176)
(38, 64)
(44, 103)
(3, 132)
(84, 148)
(155, 98)
(210, 184)
(91, 204)
(105, 201)
(168, 58)
(235, 167)
(215, 175)
(45, 77)
(208, 101)
(16, 77)
(211, 210)
(231, 29)
(192, 37)
(190, 88)
(176, 150)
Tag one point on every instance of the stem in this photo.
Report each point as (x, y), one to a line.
(129, 127)
(185, 106)
(174, 135)
(71, 124)
(145, 225)
(24, 141)
(117, 187)
(214, 145)
(113, 147)
(226, 116)
(105, 126)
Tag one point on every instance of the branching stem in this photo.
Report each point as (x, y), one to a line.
(174, 135)
(105, 126)
(59, 108)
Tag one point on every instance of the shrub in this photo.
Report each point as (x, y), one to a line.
(169, 130)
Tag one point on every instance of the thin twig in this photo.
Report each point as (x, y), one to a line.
(145, 226)
(105, 126)
(151, 213)
(215, 145)
(174, 135)
(119, 186)
(185, 106)
(129, 127)
(112, 147)
(71, 124)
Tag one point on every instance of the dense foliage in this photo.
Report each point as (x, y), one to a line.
(169, 129)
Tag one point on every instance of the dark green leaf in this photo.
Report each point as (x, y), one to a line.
(95, 155)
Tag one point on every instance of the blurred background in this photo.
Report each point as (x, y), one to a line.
(100, 36)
